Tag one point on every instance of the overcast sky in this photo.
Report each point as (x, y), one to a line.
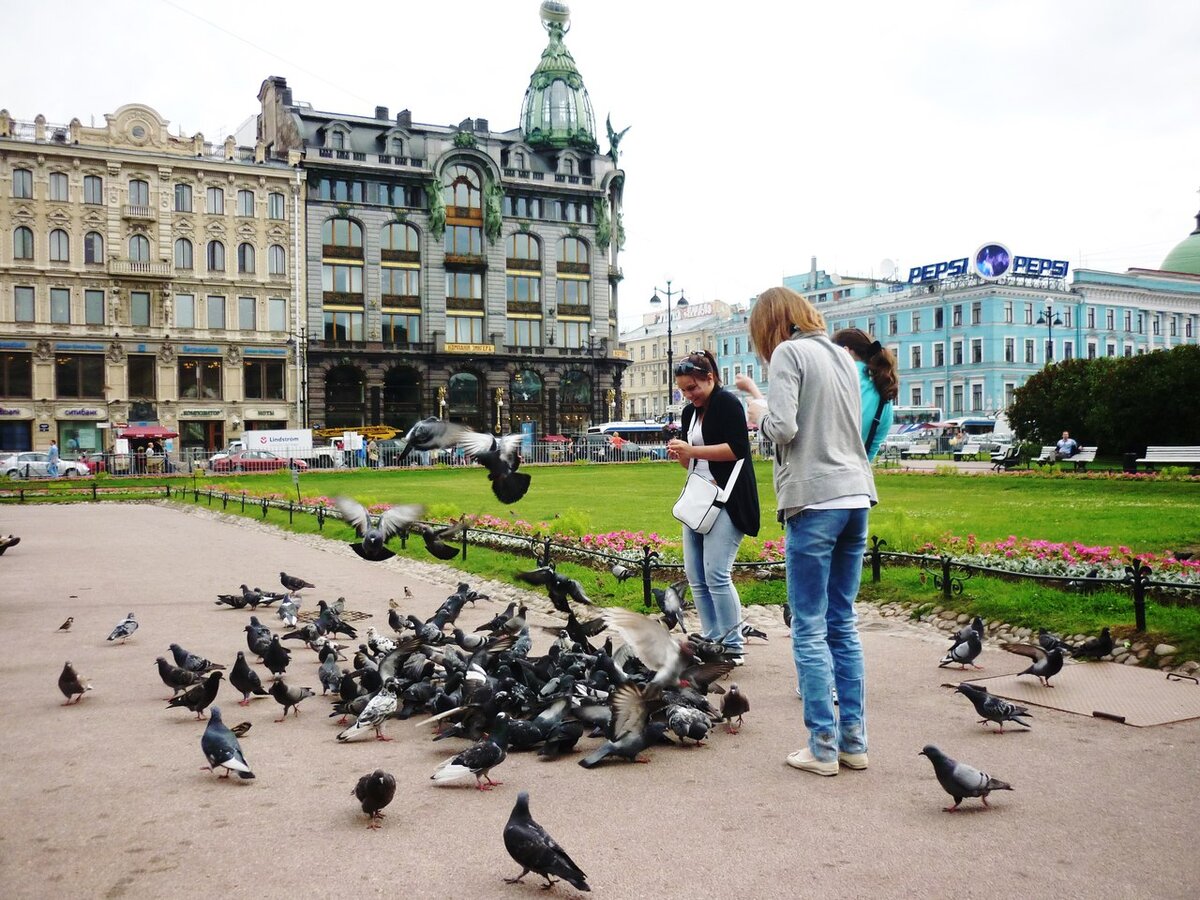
(762, 135)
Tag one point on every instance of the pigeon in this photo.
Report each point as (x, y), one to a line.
(960, 780)
(964, 652)
(535, 851)
(375, 791)
(66, 626)
(436, 537)
(498, 620)
(670, 601)
(236, 601)
(374, 715)
(734, 705)
(630, 730)
(652, 644)
(124, 629)
(289, 697)
(1092, 648)
(993, 708)
(192, 662)
(198, 696)
(976, 625)
(287, 611)
(431, 434)
(245, 679)
(294, 585)
(277, 657)
(688, 722)
(330, 676)
(478, 759)
(749, 631)
(407, 592)
(622, 572)
(374, 536)
(221, 748)
(560, 588)
(1046, 663)
(501, 457)
(72, 685)
(258, 637)
(1050, 641)
(175, 678)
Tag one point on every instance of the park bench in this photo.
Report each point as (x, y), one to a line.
(1047, 455)
(1007, 457)
(923, 450)
(969, 450)
(1171, 456)
(1082, 458)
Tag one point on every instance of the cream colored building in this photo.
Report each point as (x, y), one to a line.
(145, 278)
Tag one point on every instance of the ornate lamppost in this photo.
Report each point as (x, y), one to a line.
(680, 303)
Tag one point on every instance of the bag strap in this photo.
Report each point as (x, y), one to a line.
(874, 426)
(723, 493)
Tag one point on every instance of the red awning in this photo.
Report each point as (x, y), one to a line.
(556, 439)
(146, 432)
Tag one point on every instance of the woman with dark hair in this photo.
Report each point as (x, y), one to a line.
(877, 381)
(714, 438)
(824, 489)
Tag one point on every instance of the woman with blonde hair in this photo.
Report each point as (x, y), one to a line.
(824, 489)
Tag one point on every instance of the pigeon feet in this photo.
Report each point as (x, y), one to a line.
(950, 808)
(380, 737)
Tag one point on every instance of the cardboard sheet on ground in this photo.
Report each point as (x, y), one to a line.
(1139, 697)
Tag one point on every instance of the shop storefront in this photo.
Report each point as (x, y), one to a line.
(81, 429)
(16, 428)
(201, 429)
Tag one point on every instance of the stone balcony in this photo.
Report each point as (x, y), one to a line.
(131, 268)
(139, 213)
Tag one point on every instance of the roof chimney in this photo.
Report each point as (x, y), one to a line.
(381, 112)
(404, 118)
(812, 274)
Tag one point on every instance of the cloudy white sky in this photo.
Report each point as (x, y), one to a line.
(761, 135)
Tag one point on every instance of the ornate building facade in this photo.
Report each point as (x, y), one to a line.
(456, 271)
(145, 278)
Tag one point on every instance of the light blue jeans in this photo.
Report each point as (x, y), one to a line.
(824, 556)
(708, 562)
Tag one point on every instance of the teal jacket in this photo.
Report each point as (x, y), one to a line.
(870, 406)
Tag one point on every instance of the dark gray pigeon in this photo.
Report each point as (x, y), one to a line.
(192, 662)
(688, 722)
(375, 791)
(479, 759)
(975, 625)
(198, 696)
(960, 780)
(221, 748)
(630, 729)
(1049, 640)
(437, 538)
(175, 678)
(125, 629)
(1046, 663)
(245, 679)
(374, 535)
(501, 457)
(1092, 648)
(561, 588)
(277, 657)
(535, 851)
(72, 685)
(292, 584)
(258, 637)
(993, 708)
(289, 697)
(670, 601)
(734, 705)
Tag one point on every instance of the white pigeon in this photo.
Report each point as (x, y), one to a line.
(374, 715)
(124, 629)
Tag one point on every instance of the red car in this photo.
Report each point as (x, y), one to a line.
(255, 461)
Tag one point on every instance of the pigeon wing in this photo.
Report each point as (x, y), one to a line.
(1033, 651)
(396, 519)
(651, 642)
(630, 711)
(354, 513)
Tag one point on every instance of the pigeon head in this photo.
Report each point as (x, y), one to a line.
(214, 713)
(932, 753)
(521, 807)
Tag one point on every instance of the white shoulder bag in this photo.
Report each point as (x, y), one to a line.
(701, 501)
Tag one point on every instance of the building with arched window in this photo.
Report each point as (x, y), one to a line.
(459, 271)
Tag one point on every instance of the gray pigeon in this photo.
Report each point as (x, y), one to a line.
(72, 685)
(1046, 663)
(960, 780)
(688, 722)
(125, 629)
(374, 535)
(175, 678)
(964, 652)
(670, 601)
(221, 748)
(993, 708)
(192, 662)
(330, 676)
(630, 729)
(293, 584)
(622, 572)
(289, 697)
(375, 791)
(288, 609)
(535, 851)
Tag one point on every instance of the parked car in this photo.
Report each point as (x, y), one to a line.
(36, 464)
(253, 461)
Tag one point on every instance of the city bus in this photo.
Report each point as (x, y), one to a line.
(905, 416)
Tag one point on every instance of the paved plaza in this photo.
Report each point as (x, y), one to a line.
(107, 798)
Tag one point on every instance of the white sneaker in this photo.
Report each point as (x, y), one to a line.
(804, 761)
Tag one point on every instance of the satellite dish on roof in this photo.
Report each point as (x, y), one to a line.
(835, 279)
(887, 268)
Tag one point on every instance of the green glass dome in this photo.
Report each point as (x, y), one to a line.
(557, 112)
(1186, 255)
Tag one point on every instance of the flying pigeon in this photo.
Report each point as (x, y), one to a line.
(198, 696)
(436, 538)
(289, 697)
(964, 652)
(1092, 648)
(125, 629)
(652, 644)
(630, 729)
(960, 780)
(670, 601)
(292, 584)
(374, 715)
(374, 792)
(734, 705)
(560, 588)
(245, 679)
(993, 708)
(221, 748)
(374, 536)
(175, 678)
(535, 851)
(192, 662)
(1046, 663)
(501, 457)
(479, 759)
(66, 626)
(72, 685)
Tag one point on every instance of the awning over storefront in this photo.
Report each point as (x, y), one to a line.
(148, 432)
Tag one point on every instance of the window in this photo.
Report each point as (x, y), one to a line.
(341, 279)
(1010, 350)
(342, 326)
(1155, 325)
(1110, 349)
(1028, 313)
(976, 350)
(342, 234)
(893, 324)
(276, 206)
(199, 378)
(939, 354)
(524, 246)
(245, 259)
(462, 190)
(139, 192)
(1029, 350)
(185, 310)
(23, 303)
(277, 314)
(464, 330)
(22, 243)
(573, 250)
(79, 375)
(527, 333)
(1187, 327)
(216, 311)
(464, 286)
(1008, 312)
(277, 260)
(915, 395)
(337, 140)
(401, 328)
(22, 184)
(60, 246)
(60, 306)
(183, 253)
(214, 200)
(915, 356)
(1066, 315)
(976, 313)
(750, 371)
(245, 202)
(572, 293)
(247, 318)
(939, 318)
(1091, 350)
(216, 256)
(956, 353)
(142, 367)
(183, 198)
(976, 397)
(139, 248)
(262, 379)
(139, 308)
(1109, 320)
(93, 248)
(1128, 320)
(916, 322)
(1173, 326)
(1091, 317)
(576, 334)
(399, 242)
(93, 307)
(463, 240)
(956, 321)
(16, 374)
(939, 397)
(400, 282)
(956, 398)
(59, 187)
(93, 190)
(1068, 349)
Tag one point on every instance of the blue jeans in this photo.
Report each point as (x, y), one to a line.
(708, 562)
(824, 555)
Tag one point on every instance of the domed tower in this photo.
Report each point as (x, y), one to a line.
(557, 112)
(1185, 257)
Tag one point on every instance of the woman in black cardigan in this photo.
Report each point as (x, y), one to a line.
(714, 436)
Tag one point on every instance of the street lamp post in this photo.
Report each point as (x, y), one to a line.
(681, 303)
(1050, 319)
(300, 343)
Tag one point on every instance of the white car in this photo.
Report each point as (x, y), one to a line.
(35, 464)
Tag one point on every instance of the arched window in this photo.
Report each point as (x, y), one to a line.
(216, 256)
(245, 256)
(524, 246)
(276, 206)
(183, 253)
(576, 389)
(93, 190)
(462, 190)
(277, 260)
(526, 387)
(401, 397)
(139, 192)
(245, 203)
(399, 237)
(465, 401)
(22, 243)
(139, 248)
(60, 246)
(22, 184)
(343, 234)
(345, 398)
(214, 199)
(572, 250)
(337, 140)
(183, 198)
(59, 187)
(397, 144)
(93, 247)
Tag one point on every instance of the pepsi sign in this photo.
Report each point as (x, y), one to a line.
(991, 261)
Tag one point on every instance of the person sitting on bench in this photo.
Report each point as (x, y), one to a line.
(1067, 447)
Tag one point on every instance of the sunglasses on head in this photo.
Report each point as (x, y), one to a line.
(688, 367)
